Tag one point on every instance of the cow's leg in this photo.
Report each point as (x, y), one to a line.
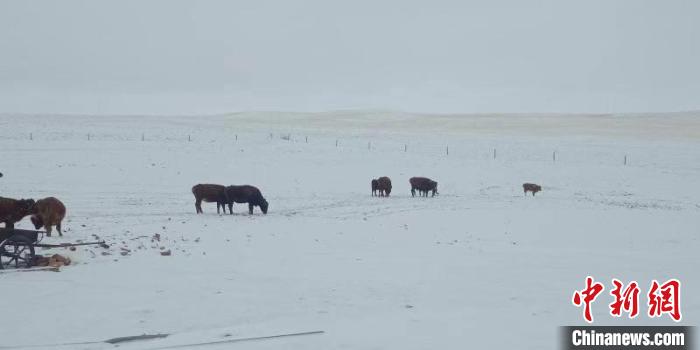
(413, 192)
(58, 228)
(230, 208)
(250, 208)
(198, 206)
(48, 230)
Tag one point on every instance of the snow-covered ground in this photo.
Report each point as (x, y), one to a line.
(480, 266)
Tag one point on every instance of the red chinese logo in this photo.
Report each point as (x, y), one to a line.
(662, 298)
(665, 299)
(587, 296)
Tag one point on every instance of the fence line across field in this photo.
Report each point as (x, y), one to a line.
(341, 143)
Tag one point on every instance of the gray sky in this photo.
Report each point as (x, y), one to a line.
(184, 57)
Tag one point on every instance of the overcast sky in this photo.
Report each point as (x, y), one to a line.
(184, 57)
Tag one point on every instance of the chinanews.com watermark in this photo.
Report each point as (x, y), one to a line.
(663, 299)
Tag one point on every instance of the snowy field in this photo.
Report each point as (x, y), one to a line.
(478, 267)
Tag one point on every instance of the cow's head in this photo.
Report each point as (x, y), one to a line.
(433, 185)
(36, 220)
(263, 206)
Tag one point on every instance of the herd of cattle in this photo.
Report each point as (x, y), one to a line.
(49, 212)
(381, 187)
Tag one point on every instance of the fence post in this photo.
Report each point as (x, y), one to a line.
(447, 150)
(494, 153)
(189, 138)
(31, 137)
(236, 137)
(625, 159)
(307, 139)
(143, 137)
(405, 147)
(554, 156)
(336, 143)
(88, 136)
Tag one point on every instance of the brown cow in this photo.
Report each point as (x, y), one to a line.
(532, 188)
(423, 185)
(209, 193)
(375, 187)
(384, 186)
(245, 194)
(13, 210)
(49, 212)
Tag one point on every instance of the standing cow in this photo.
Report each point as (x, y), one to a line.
(209, 193)
(245, 194)
(13, 210)
(375, 187)
(423, 185)
(531, 188)
(384, 186)
(49, 212)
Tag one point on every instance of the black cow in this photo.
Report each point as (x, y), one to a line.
(13, 210)
(375, 187)
(532, 188)
(384, 186)
(423, 185)
(245, 194)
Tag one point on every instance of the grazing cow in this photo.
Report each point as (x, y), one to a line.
(49, 212)
(209, 193)
(423, 185)
(375, 187)
(245, 194)
(384, 186)
(532, 188)
(13, 210)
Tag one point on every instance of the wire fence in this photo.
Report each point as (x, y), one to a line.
(492, 148)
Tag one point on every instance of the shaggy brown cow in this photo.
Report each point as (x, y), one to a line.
(245, 194)
(13, 210)
(532, 188)
(375, 187)
(209, 193)
(49, 212)
(384, 186)
(423, 185)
